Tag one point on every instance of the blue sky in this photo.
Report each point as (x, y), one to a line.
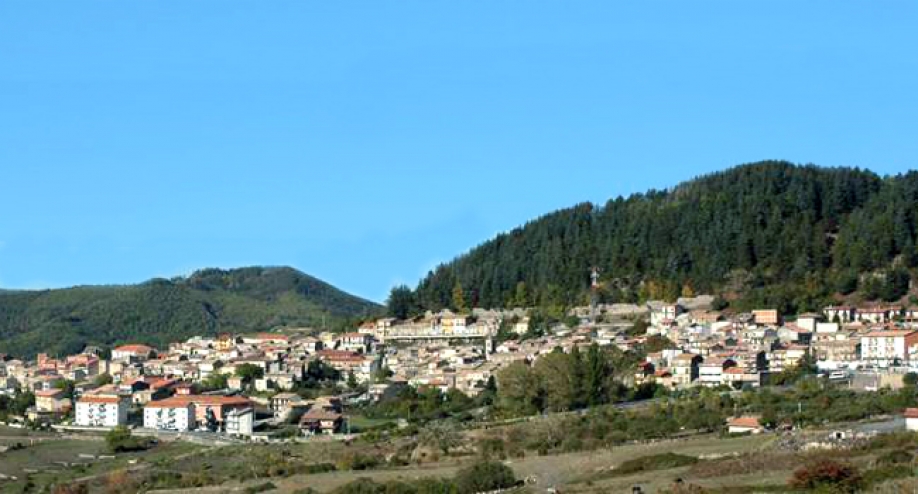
(363, 142)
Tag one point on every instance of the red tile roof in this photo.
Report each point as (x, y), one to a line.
(747, 421)
(48, 393)
(211, 400)
(134, 349)
(99, 399)
(174, 402)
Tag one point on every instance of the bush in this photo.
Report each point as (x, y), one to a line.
(358, 461)
(895, 457)
(883, 474)
(120, 440)
(493, 448)
(900, 440)
(422, 486)
(484, 476)
(255, 489)
(827, 474)
(663, 461)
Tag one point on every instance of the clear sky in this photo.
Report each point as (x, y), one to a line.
(363, 142)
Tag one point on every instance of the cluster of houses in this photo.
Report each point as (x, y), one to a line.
(712, 349)
(445, 350)
(162, 389)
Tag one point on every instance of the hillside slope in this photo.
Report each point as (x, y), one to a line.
(160, 311)
(765, 233)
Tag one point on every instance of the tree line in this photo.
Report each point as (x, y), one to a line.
(770, 233)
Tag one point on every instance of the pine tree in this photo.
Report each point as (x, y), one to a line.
(458, 299)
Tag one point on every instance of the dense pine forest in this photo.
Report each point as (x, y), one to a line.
(763, 234)
(161, 311)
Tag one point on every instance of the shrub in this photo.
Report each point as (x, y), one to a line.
(895, 457)
(484, 476)
(71, 489)
(358, 461)
(492, 448)
(663, 461)
(827, 474)
(120, 440)
(883, 474)
(319, 468)
(902, 440)
(255, 489)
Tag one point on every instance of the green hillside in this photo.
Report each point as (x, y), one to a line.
(769, 233)
(160, 311)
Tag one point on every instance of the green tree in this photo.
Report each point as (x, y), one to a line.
(215, 381)
(249, 372)
(103, 379)
(67, 386)
(518, 390)
(440, 435)
(597, 371)
(555, 373)
(352, 380)
(458, 298)
(402, 303)
(382, 374)
(895, 285)
(484, 476)
(120, 440)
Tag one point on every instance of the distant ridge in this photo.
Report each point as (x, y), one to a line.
(160, 311)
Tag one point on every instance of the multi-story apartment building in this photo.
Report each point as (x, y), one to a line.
(684, 368)
(102, 410)
(171, 414)
(888, 347)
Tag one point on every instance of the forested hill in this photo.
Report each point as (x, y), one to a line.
(161, 311)
(768, 233)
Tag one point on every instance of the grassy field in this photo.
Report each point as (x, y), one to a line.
(360, 423)
(46, 459)
(720, 465)
(547, 471)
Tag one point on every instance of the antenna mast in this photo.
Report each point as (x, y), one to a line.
(594, 292)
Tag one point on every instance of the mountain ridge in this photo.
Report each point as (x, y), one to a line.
(158, 311)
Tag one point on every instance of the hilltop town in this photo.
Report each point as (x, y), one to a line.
(254, 385)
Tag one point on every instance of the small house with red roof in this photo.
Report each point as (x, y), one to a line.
(748, 424)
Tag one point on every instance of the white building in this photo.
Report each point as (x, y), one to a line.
(356, 342)
(711, 371)
(664, 312)
(885, 348)
(169, 415)
(102, 410)
(240, 422)
(132, 352)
